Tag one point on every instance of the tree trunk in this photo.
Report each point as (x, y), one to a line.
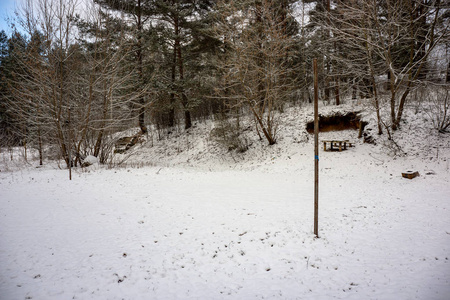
(99, 141)
(184, 98)
(40, 145)
(369, 53)
(392, 102)
(354, 89)
(377, 106)
(418, 19)
(260, 59)
(327, 84)
(187, 119)
(63, 145)
(171, 121)
(171, 115)
(141, 101)
(263, 128)
(88, 115)
(401, 106)
(448, 73)
(338, 100)
(327, 59)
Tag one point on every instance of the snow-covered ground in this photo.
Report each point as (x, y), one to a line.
(192, 221)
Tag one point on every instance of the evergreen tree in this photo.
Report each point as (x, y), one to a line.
(12, 120)
(5, 73)
(185, 46)
(139, 12)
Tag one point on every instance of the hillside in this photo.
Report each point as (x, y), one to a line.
(198, 148)
(185, 218)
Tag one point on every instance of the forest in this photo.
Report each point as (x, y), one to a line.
(74, 74)
(186, 129)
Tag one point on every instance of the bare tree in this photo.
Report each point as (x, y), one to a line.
(76, 91)
(108, 80)
(396, 38)
(255, 66)
(44, 88)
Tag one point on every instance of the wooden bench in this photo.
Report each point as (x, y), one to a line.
(336, 145)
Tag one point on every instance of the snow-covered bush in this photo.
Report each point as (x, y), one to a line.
(229, 136)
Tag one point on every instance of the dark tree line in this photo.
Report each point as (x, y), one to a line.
(71, 79)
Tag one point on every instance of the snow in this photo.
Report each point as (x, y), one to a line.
(90, 160)
(196, 222)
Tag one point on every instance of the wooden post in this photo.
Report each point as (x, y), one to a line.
(70, 148)
(316, 151)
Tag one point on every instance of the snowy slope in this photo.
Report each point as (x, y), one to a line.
(198, 149)
(194, 221)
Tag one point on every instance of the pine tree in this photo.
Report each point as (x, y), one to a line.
(183, 27)
(139, 12)
(13, 121)
(8, 134)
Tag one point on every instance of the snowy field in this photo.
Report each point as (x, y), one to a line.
(235, 227)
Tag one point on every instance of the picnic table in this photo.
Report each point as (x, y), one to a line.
(336, 145)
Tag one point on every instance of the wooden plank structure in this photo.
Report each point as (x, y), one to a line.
(336, 145)
(410, 174)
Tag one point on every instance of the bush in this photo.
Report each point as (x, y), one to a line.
(229, 136)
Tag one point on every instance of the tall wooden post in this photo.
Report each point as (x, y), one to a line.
(316, 151)
(70, 147)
